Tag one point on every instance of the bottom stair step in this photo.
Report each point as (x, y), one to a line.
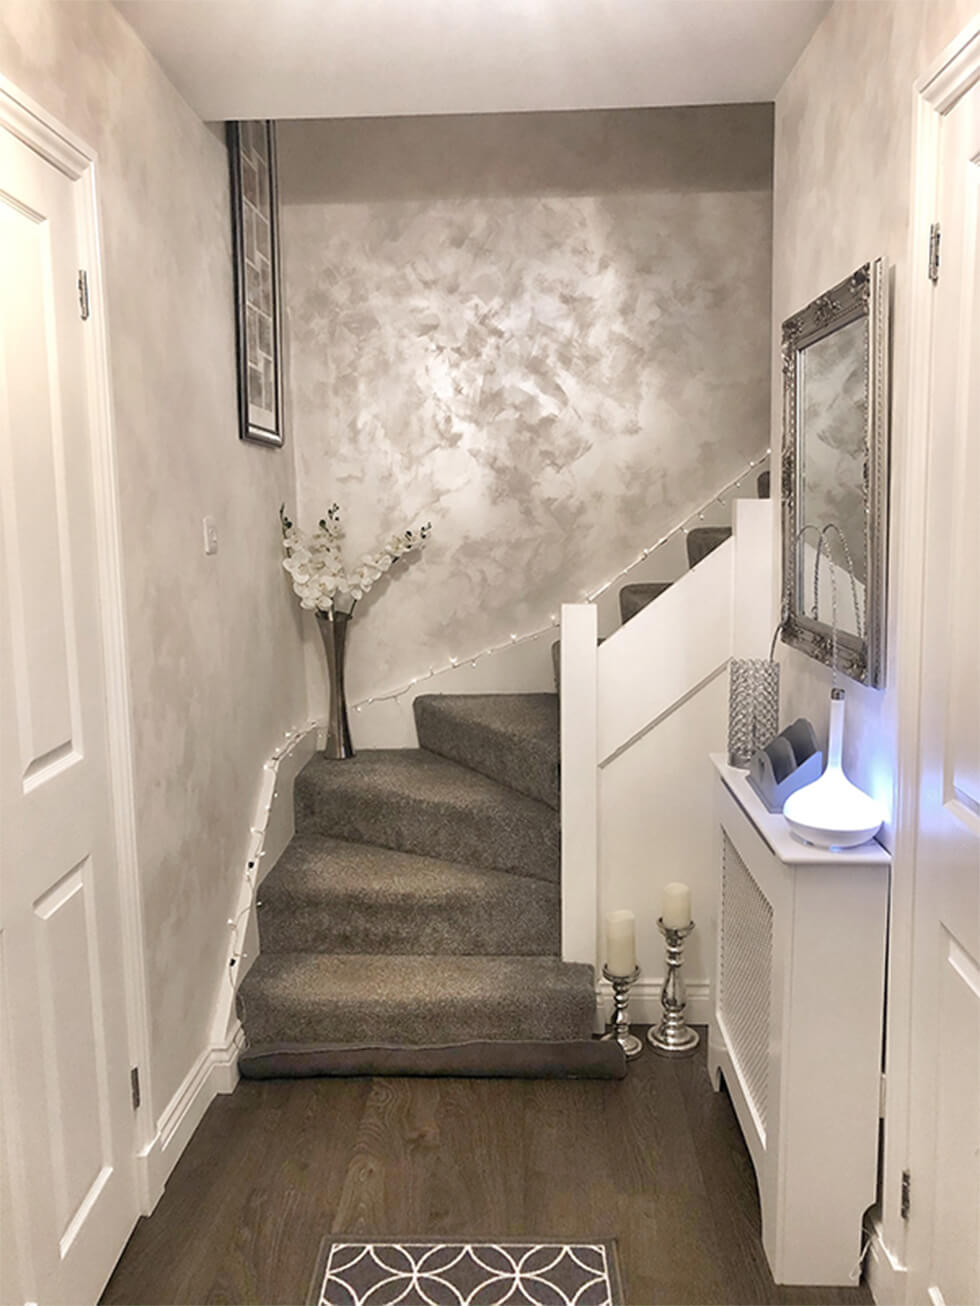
(577, 1059)
(399, 1001)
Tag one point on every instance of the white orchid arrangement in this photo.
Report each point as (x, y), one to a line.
(316, 564)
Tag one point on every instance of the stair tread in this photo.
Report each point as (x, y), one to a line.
(336, 895)
(512, 738)
(633, 598)
(702, 540)
(413, 1000)
(417, 801)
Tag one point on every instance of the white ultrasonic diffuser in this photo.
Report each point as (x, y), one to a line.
(832, 812)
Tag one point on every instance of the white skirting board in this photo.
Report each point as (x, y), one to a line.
(216, 1068)
(215, 1071)
(886, 1275)
(271, 830)
(645, 1008)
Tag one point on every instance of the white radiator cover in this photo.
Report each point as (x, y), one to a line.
(796, 1027)
(745, 976)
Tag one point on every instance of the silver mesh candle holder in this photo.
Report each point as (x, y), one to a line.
(621, 985)
(673, 1037)
(753, 707)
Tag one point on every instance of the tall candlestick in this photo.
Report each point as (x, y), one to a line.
(621, 942)
(673, 1037)
(676, 911)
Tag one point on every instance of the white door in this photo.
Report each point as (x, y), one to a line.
(68, 1194)
(944, 1210)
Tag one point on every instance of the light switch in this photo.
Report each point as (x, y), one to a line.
(210, 536)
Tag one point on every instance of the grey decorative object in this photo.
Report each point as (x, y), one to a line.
(787, 763)
(526, 1272)
(835, 468)
(333, 632)
(255, 248)
(621, 985)
(753, 707)
(673, 1037)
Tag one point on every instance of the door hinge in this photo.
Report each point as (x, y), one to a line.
(83, 308)
(935, 236)
(882, 1096)
(134, 1084)
(906, 1195)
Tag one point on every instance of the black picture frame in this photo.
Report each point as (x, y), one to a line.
(258, 277)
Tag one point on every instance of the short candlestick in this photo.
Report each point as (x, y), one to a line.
(621, 985)
(673, 1037)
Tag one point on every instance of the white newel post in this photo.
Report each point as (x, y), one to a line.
(579, 783)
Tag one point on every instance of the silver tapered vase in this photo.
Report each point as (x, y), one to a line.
(333, 632)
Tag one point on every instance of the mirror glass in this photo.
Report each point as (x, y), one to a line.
(834, 413)
(835, 475)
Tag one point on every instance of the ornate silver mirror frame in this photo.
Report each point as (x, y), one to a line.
(835, 475)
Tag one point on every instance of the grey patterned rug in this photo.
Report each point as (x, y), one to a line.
(421, 1272)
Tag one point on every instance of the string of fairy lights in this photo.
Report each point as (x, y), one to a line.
(256, 850)
(589, 596)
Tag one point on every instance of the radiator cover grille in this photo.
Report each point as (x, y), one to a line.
(745, 973)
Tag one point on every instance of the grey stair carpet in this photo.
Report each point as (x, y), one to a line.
(413, 924)
(703, 540)
(634, 598)
(418, 802)
(327, 895)
(512, 738)
(319, 998)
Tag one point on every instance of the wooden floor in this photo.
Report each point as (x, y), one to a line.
(656, 1161)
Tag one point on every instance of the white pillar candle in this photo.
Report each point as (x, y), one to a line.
(621, 942)
(676, 910)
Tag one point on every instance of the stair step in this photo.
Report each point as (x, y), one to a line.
(313, 998)
(703, 540)
(634, 598)
(512, 738)
(502, 1058)
(327, 895)
(418, 802)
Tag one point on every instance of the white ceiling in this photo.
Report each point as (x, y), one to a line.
(372, 58)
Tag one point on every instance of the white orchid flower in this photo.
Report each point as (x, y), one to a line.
(316, 565)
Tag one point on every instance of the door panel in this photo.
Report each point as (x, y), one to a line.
(944, 1227)
(66, 1108)
(43, 667)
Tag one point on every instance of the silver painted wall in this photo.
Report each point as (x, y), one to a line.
(214, 650)
(842, 179)
(548, 333)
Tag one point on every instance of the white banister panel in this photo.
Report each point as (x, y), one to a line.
(579, 783)
(667, 650)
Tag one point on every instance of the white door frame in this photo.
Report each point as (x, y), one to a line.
(26, 120)
(956, 69)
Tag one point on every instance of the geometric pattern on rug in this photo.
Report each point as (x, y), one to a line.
(354, 1272)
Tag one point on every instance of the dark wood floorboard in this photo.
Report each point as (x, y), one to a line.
(656, 1161)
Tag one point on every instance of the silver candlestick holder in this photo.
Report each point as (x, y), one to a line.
(621, 985)
(673, 1037)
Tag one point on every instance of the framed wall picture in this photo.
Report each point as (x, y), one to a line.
(255, 248)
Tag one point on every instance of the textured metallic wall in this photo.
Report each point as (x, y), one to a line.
(548, 333)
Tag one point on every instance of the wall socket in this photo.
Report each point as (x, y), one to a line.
(210, 536)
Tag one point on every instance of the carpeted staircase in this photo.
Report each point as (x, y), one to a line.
(413, 924)
(633, 598)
